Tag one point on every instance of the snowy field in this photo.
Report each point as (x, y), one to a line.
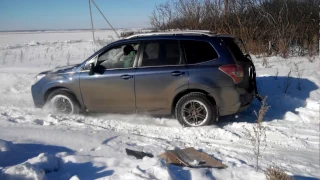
(35, 144)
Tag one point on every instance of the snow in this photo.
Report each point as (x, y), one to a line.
(23, 171)
(46, 162)
(36, 144)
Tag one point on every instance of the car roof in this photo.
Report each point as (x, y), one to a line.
(172, 35)
(189, 33)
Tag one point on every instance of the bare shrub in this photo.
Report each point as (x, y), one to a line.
(257, 135)
(265, 63)
(299, 74)
(21, 56)
(127, 33)
(287, 82)
(130, 33)
(311, 59)
(4, 57)
(15, 58)
(275, 173)
(103, 42)
(283, 49)
(68, 58)
(267, 26)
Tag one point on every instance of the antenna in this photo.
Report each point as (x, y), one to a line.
(102, 16)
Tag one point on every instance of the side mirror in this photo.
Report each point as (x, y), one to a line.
(91, 69)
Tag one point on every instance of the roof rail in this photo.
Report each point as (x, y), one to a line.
(175, 33)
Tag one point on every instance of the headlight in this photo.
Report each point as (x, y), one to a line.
(38, 77)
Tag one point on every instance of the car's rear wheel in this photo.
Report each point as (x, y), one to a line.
(195, 109)
(62, 101)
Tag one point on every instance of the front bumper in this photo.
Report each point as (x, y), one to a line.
(37, 97)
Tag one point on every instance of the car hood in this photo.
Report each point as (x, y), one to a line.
(61, 69)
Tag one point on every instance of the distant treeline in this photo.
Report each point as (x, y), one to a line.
(270, 27)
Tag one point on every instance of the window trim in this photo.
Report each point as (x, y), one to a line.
(143, 45)
(185, 54)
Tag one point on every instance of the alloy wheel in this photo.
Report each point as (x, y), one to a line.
(62, 104)
(194, 113)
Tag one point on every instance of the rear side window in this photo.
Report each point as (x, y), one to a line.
(152, 51)
(199, 51)
(161, 53)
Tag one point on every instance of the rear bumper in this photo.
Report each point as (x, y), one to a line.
(244, 102)
(246, 99)
(229, 110)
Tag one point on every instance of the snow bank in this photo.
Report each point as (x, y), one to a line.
(46, 162)
(25, 171)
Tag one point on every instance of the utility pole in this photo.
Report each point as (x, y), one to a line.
(91, 21)
(105, 18)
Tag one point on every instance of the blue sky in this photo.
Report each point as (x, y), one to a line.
(73, 14)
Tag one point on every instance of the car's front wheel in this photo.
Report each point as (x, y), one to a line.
(62, 101)
(195, 109)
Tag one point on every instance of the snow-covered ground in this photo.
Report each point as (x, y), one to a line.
(35, 144)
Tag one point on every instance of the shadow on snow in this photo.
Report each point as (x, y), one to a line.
(20, 153)
(280, 102)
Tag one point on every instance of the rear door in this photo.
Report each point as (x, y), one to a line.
(160, 74)
(240, 59)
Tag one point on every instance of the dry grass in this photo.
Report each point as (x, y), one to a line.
(275, 173)
(257, 136)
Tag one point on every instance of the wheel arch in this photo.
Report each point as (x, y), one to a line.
(52, 89)
(187, 91)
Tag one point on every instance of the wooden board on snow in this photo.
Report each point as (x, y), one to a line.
(191, 158)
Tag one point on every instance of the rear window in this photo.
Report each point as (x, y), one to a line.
(233, 48)
(199, 51)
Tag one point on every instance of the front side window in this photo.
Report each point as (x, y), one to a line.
(199, 51)
(161, 53)
(118, 57)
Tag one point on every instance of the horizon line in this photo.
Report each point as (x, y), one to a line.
(73, 29)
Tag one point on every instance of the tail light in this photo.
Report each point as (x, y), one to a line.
(234, 71)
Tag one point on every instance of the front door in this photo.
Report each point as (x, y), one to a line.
(111, 88)
(160, 74)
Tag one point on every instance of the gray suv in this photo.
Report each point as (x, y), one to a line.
(196, 76)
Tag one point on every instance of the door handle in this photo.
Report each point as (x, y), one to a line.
(126, 77)
(177, 73)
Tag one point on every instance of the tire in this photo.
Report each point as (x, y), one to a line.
(184, 109)
(70, 105)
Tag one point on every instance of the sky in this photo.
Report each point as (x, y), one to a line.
(74, 14)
